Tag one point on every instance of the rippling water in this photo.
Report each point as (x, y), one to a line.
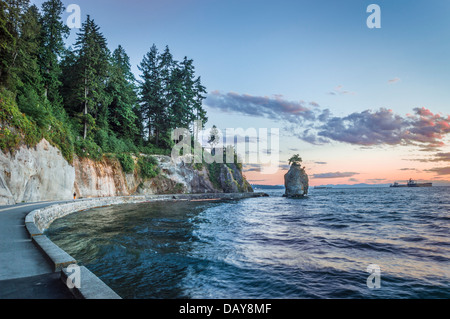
(272, 247)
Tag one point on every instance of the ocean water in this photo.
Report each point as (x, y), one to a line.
(271, 247)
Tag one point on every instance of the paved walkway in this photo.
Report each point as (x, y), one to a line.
(24, 271)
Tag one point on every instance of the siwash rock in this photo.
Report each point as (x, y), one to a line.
(296, 182)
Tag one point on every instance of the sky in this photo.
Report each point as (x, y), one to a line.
(358, 104)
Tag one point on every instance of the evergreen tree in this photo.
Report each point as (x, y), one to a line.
(26, 78)
(150, 91)
(87, 92)
(26, 66)
(54, 31)
(68, 79)
(193, 94)
(15, 11)
(91, 76)
(122, 90)
(199, 96)
(166, 67)
(7, 41)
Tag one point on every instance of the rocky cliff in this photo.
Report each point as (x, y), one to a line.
(41, 173)
(36, 174)
(296, 182)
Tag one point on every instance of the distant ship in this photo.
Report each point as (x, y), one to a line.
(322, 187)
(412, 183)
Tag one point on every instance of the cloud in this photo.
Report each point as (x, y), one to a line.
(275, 107)
(394, 80)
(365, 128)
(440, 170)
(369, 128)
(408, 169)
(309, 123)
(335, 175)
(252, 169)
(258, 167)
(321, 163)
(339, 90)
(438, 157)
(441, 157)
(307, 135)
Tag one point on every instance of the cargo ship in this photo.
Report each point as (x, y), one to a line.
(412, 183)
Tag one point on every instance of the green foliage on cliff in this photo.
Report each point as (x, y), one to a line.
(88, 148)
(19, 128)
(15, 127)
(214, 174)
(127, 162)
(148, 167)
(85, 100)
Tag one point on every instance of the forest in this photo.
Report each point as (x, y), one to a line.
(84, 99)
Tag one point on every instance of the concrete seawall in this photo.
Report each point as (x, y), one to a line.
(90, 286)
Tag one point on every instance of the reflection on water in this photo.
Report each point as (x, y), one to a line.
(270, 247)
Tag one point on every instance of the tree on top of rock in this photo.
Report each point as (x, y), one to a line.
(295, 160)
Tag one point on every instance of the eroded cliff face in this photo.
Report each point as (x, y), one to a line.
(99, 179)
(35, 174)
(41, 173)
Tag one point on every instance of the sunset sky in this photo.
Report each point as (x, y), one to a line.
(359, 105)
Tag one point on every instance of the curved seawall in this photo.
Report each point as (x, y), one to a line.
(90, 286)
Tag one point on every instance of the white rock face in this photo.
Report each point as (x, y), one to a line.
(99, 179)
(37, 174)
(181, 171)
(6, 198)
(41, 173)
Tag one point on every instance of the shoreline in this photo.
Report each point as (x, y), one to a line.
(92, 287)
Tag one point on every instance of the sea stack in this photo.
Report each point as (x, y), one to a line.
(296, 180)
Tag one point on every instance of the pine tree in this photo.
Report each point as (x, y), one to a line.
(26, 63)
(199, 96)
(7, 41)
(91, 77)
(150, 92)
(54, 31)
(166, 67)
(27, 78)
(122, 90)
(15, 11)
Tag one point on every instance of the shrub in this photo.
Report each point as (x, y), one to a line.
(15, 127)
(214, 174)
(153, 150)
(148, 167)
(110, 143)
(35, 107)
(88, 148)
(127, 162)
